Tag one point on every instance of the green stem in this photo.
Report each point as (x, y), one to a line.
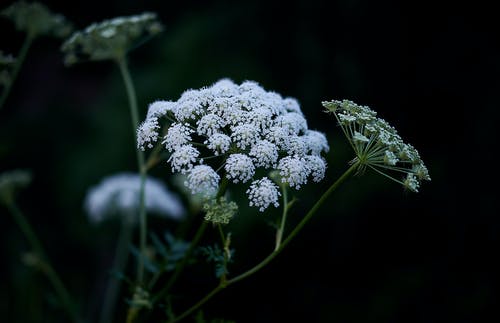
(271, 256)
(134, 113)
(43, 261)
(279, 233)
(197, 237)
(17, 66)
(121, 257)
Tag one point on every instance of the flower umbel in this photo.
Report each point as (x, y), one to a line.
(378, 145)
(240, 132)
(120, 194)
(110, 39)
(36, 19)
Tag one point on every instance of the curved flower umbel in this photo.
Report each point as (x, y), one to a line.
(36, 19)
(237, 131)
(110, 39)
(377, 144)
(119, 194)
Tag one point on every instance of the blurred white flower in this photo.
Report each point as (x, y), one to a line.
(118, 195)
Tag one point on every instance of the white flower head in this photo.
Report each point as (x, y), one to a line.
(119, 195)
(262, 193)
(240, 132)
(315, 142)
(203, 179)
(316, 167)
(264, 154)
(293, 171)
(147, 133)
(178, 135)
(245, 135)
(183, 157)
(219, 143)
(239, 168)
(209, 124)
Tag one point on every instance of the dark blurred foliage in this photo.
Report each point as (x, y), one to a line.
(374, 253)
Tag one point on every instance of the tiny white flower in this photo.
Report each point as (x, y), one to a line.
(293, 171)
(262, 193)
(159, 109)
(316, 167)
(315, 142)
(279, 136)
(390, 158)
(239, 168)
(411, 182)
(294, 122)
(203, 179)
(209, 124)
(177, 135)
(147, 133)
(296, 146)
(183, 157)
(245, 135)
(264, 153)
(219, 143)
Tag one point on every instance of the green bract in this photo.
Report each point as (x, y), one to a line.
(110, 39)
(377, 144)
(36, 19)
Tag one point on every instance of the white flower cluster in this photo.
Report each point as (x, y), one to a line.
(119, 194)
(377, 144)
(237, 129)
(111, 38)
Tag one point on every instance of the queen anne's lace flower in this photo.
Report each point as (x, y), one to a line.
(263, 192)
(378, 145)
(238, 132)
(316, 167)
(111, 38)
(219, 143)
(209, 124)
(203, 179)
(293, 171)
(265, 154)
(239, 168)
(119, 195)
(178, 135)
(36, 19)
(183, 157)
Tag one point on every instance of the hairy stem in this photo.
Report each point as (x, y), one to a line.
(134, 113)
(17, 66)
(43, 262)
(271, 256)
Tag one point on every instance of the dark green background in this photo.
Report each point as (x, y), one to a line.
(374, 253)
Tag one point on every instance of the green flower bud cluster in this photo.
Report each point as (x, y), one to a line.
(377, 144)
(36, 19)
(220, 210)
(110, 39)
